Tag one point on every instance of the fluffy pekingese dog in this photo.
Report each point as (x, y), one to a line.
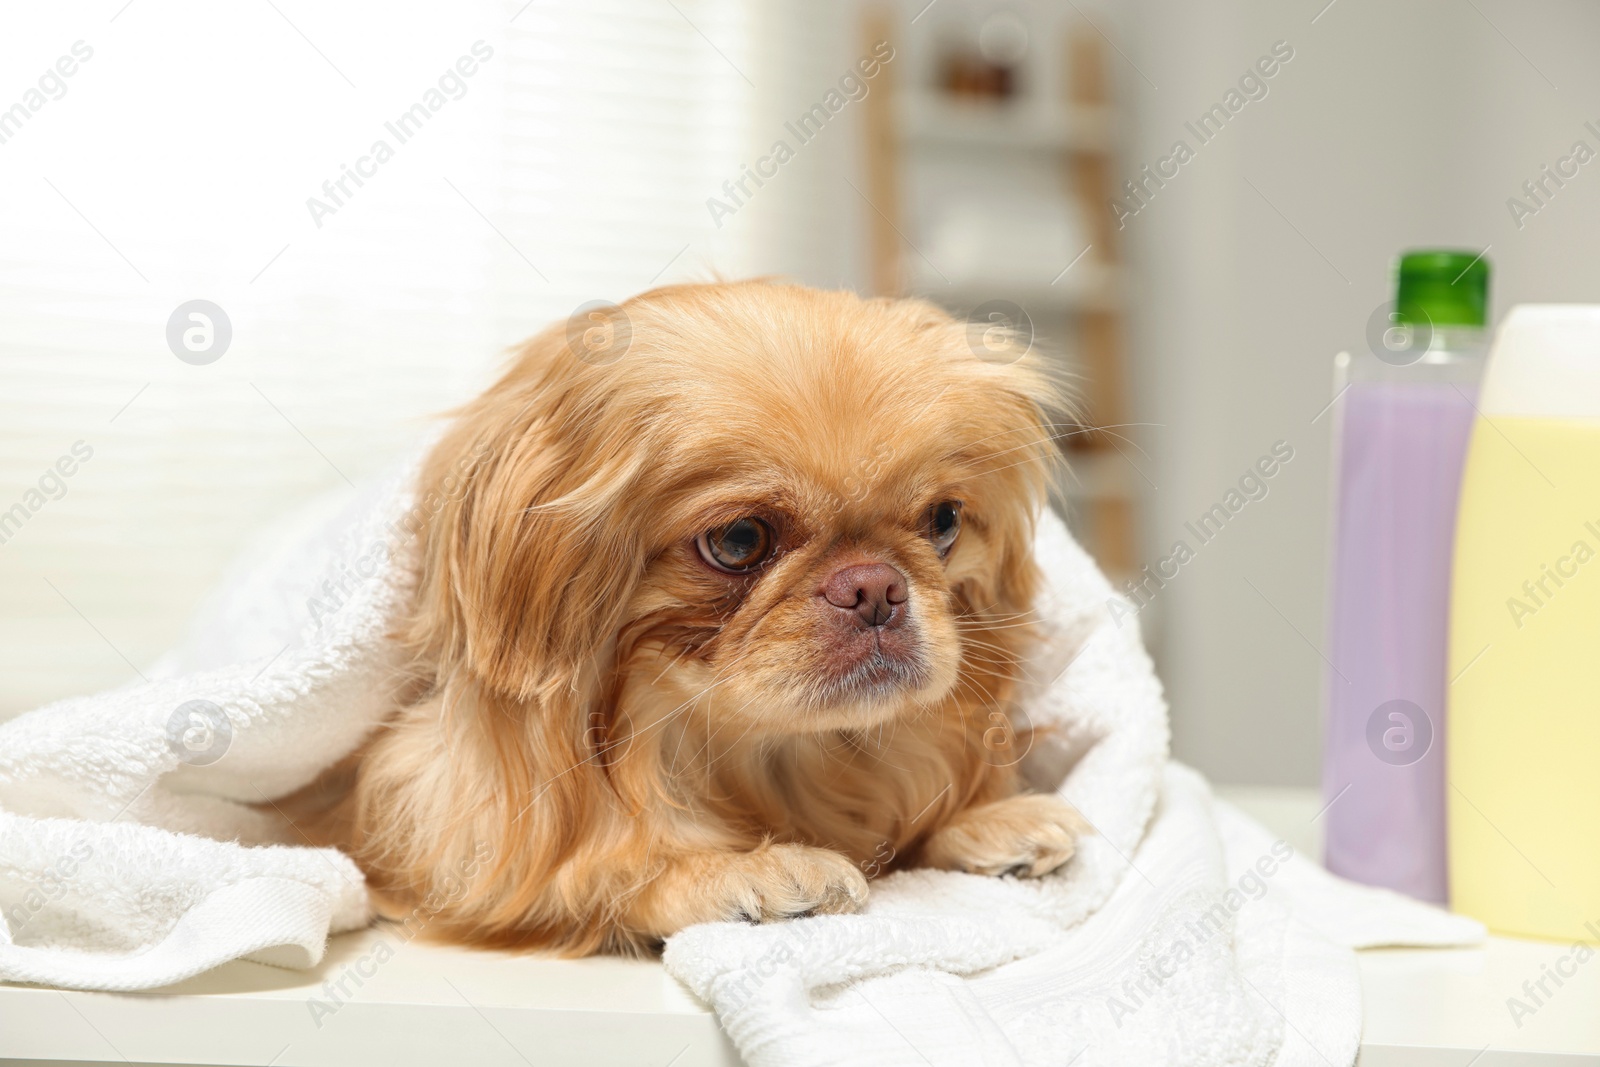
(719, 627)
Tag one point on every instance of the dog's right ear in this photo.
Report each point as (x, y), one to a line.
(528, 563)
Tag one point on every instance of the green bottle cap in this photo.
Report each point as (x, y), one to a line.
(1442, 288)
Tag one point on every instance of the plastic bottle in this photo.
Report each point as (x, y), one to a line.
(1525, 635)
(1405, 409)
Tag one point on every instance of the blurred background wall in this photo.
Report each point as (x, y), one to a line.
(581, 160)
(1394, 126)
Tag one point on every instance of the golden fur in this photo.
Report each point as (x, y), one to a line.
(616, 739)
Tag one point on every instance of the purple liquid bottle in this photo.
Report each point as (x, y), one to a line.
(1405, 412)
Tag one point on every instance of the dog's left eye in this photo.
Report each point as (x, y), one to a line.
(737, 548)
(944, 524)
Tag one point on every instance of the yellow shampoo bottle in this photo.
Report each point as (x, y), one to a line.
(1523, 736)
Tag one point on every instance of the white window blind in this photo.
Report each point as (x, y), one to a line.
(175, 164)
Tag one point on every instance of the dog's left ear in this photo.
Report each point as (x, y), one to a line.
(1023, 404)
(528, 566)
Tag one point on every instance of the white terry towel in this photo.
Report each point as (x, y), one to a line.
(1197, 958)
(139, 846)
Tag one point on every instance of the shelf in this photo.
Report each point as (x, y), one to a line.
(1099, 475)
(927, 119)
(1086, 287)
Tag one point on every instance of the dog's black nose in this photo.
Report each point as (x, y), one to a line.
(873, 592)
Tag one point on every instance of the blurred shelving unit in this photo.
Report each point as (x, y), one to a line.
(988, 166)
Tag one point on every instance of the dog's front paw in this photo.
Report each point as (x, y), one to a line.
(764, 885)
(782, 881)
(1031, 834)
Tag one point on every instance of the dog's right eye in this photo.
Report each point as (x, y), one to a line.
(737, 548)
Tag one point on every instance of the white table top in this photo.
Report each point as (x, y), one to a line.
(424, 1005)
(428, 1004)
